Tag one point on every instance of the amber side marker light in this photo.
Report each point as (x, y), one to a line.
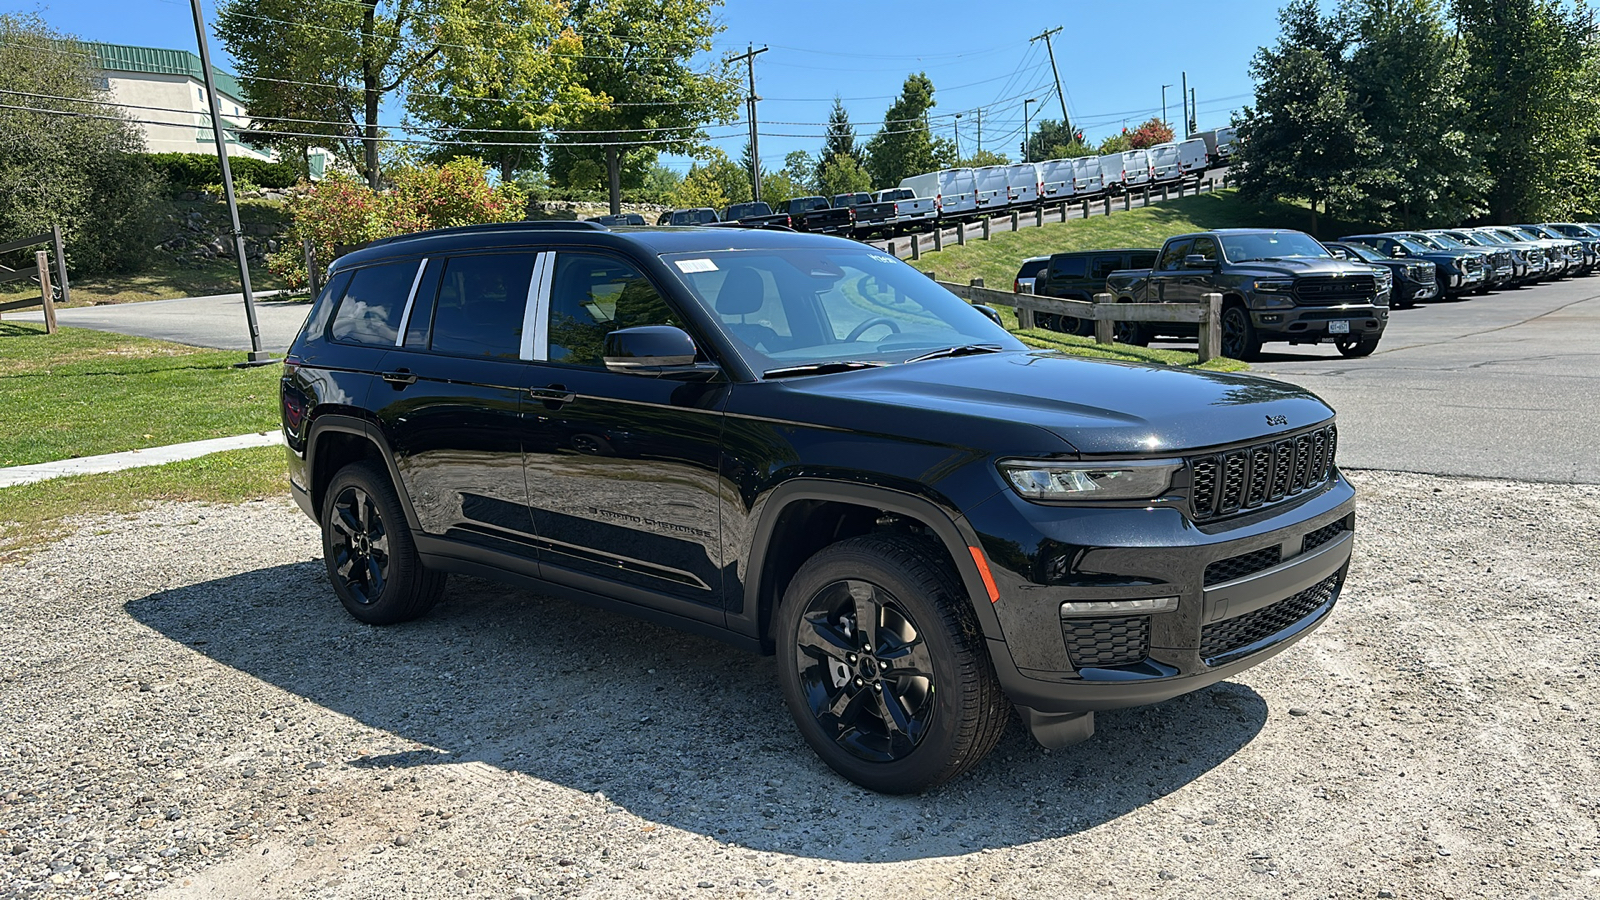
(988, 577)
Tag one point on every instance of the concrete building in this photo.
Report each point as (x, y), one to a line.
(173, 80)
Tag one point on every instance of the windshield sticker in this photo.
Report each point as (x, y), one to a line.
(881, 258)
(690, 266)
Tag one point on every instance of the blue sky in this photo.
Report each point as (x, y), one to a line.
(1114, 56)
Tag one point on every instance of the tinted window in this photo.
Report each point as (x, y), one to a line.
(1204, 246)
(1172, 257)
(1033, 268)
(1144, 259)
(1070, 267)
(592, 296)
(1105, 265)
(480, 305)
(371, 308)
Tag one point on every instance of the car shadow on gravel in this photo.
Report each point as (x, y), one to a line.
(676, 729)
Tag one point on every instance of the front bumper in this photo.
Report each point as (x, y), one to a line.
(1415, 291)
(1274, 576)
(1313, 323)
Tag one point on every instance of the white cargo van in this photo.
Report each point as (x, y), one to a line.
(1136, 170)
(1164, 164)
(1087, 179)
(1192, 157)
(993, 188)
(1056, 181)
(1111, 172)
(951, 190)
(1022, 181)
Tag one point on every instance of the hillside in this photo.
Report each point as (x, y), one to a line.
(996, 260)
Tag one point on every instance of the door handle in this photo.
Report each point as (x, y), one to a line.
(400, 377)
(555, 393)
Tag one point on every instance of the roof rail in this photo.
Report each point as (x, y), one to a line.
(550, 225)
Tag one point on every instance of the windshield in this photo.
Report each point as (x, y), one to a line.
(1426, 240)
(1447, 242)
(1365, 253)
(1493, 237)
(789, 307)
(1266, 245)
(1518, 232)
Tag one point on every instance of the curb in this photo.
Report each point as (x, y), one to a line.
(133, 459)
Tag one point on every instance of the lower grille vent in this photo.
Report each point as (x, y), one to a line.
(1225, 637)
(1096, 643)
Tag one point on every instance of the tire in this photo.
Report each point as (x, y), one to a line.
(1356, 347)
(1239, 338)
(1131, 333)
(371, 557)
(895, 734)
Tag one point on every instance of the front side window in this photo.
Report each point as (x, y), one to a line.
(370, 312)
(593, 295)
(1205, 247)
(1172, 257)
(480, 307)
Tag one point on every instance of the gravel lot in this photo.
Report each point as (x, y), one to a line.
(185, 711)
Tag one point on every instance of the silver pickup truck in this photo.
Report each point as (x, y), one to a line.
(910, 210)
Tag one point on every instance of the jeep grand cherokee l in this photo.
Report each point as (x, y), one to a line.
(805, 447)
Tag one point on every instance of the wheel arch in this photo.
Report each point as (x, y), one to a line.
(803, 516)
(336, 440)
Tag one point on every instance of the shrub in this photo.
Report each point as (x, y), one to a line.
(342, 211)
(200, 171)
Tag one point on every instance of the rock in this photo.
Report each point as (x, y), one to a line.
(403, 840)
(1298, 711)
(1382, 894)
(1208, 821)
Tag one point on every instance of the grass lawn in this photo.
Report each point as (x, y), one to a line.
(996, 261)
(83, 393)
(168, 276)
(34, 514)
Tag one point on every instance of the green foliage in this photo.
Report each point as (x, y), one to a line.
(801, 170)
(1053, 140)
(904, 146)
(198, 171)
(843, 175)
(714, 181)
(1117, 143)
(658, 185)
(986, 158)
(1150, 134)
(841, 136)
(340, 211)
(87, 175)
(778, 187)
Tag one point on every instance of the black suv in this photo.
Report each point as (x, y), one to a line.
(805, 447)
(1079, 275)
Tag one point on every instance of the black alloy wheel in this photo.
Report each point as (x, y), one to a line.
(1239, 338)
(370, 555)
(883, 665)
(1355, 347)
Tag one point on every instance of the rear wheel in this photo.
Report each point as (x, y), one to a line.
(1356, 347)
(371, 557)
(1239, 338)
(883, 666)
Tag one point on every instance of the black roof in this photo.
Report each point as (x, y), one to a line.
(651, 240)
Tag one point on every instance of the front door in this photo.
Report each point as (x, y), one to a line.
(622, 469)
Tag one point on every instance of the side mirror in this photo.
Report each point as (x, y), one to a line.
(1196, 261)
(653, 350)
(990, 313)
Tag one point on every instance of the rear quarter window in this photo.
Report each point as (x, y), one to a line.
(1069, 267)
(481, 304)
(369, 314)
(1032, 269)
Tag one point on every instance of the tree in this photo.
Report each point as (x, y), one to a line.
(514, 71)
(1150, 134)
(1053, 140)
(1530, 76)
(1305, 137)
(841, 136)
(777, 187)
(714, 181)
(650, 99)
(986, 158)
(86, 175)
(659, 184)
(843, 175)
(1117, 143)
(1405, 74)
(904, 146)
(801, 170)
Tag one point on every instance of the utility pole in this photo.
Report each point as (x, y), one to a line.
(1026, 133)
(1184, 98)
(1194, 113)
(1066, 121)
(979, 113)
(749, 57)
(257, 357)
(958, 138)
(1164, 105)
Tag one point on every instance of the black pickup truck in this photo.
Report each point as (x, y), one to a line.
(754, 215)
(1276, 285)
(817, 216)
(870, 215)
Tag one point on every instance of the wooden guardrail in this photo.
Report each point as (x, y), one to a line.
(1105, 312)
(40, 270)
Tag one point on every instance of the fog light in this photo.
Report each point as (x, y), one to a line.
(1119, 607)
(1271, 319)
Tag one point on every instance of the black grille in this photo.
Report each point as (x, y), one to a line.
(1229, 635)
(1096, 643)
(1330, 289)
(1321, 536)
(1472, 265)
(1242, 565)
(1228, 483)
(1425, 274)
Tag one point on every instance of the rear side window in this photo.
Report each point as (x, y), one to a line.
(1070, 267)
(1033, 268)
(1145, 260)
(1105, 265)
(370, 312)
(480, 307)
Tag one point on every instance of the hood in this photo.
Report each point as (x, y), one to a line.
(1098, 407)
(1298, 266)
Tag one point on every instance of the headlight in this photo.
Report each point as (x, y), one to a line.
(1275, 285)
(1045, 481)
(1385, 280)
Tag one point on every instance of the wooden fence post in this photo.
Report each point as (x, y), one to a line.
(1104, 328)
(60, 249)
(1180, 190)
(1016, 221)
(938, 238)
(986, 228)
(961, 234)
(891, 249)
(1211, 328)
(916, 246)
(1144, 198)
(41, 259)
(1127, 200)
(1164, 189)
(1108, 204)
(1063, 211)
(1085, 208)
(1038, 216)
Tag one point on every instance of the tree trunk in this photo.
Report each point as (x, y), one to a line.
(614, 178)
(1313, 217)
(369, 75)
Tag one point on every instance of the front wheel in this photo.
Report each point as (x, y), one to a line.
(883, 666)
(1239, 338)
(371, 557)
(1355, 347)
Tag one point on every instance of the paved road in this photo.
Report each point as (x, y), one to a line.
(1506, 385)
(215, 321)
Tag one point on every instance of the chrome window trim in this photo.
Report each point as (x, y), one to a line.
(534, 334)
(411, 298)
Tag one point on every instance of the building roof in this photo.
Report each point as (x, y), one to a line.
(157, 61)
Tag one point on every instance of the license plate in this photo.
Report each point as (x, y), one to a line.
(1339, 327)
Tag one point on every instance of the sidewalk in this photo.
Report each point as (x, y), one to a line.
(133, 459)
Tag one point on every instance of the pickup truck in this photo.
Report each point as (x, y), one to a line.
(871, 216)
(1276, 285)
(910, 210)
(815, 215)
(754, 215)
